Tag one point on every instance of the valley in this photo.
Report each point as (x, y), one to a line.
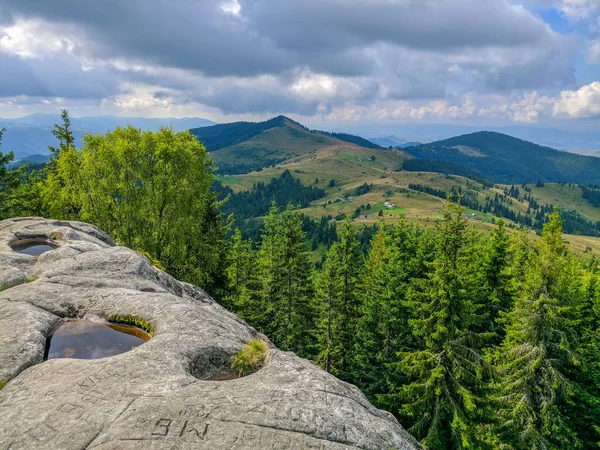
(340, 167)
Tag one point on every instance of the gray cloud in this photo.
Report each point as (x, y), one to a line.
(53, 78)
(372, 50)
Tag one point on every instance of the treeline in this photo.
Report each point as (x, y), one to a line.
(501, 205)
(237, 168)
(257, 201)
(591, 194)
(353, 139)
(445, 167)
(470, 341)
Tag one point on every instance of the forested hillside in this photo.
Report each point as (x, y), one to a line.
(504, 159)
(472, 340)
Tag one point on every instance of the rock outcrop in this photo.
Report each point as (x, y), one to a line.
(174, 391)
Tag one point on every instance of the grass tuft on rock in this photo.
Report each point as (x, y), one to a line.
(155, 262)
(2, 384)
(134, 321)
(251, 358)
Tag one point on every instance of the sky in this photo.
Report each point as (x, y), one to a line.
(326, 63)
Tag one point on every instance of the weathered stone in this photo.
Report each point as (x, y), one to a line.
(164, 393)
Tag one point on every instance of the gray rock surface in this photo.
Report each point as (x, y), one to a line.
(165, 393)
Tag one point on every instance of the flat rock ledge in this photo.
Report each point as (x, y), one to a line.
(172, 392)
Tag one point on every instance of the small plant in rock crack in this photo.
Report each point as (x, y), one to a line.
(251, 358)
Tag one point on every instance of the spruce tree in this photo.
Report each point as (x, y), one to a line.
(64, 134)
(393, 261)
(295, 319)
(286, 309)
(270, 273)
(494, 282)
(241, 278)
(373, 345)
(441, 401)
(538, 350)
(339, 302)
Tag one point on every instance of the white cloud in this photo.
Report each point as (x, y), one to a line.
(579, 9)
(530, 107)
(34, 39)
(582, 103)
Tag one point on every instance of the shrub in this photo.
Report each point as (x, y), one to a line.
(2, 384)
(251, 358)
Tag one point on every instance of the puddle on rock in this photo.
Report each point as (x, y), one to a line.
(33, 247)
(85, 339)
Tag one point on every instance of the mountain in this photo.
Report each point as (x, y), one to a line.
(32, 134)
(505, 159)
(580, 141)
(392, 141)
(241, 147)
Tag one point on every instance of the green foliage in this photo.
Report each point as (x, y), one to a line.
(272, 289)
(155, 262)
(19, 189)
(339, 302)
(251, 358)
(64, 134)
(257, 202)
(2, 384)
(150, 191)
(539, 350)
(133, 321)
(442, 398)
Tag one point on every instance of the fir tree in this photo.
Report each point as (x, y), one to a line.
(271, 272)
(241, 277)
(383, 328)
(296, 321)
(64, 134)
(373, 346)
(441, 400)
(339, 302)
(538, 350)
(494, 282)
(286, 309)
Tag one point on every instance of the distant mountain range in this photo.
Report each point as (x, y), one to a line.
(393, 141)
(572, 140)
(505, 159)
(31, 135)
(242, 147)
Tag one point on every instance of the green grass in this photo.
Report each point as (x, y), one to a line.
(566, 196)
(2, 384)
(231, 180)
(251, 358)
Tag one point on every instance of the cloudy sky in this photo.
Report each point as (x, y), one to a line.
(320, 61)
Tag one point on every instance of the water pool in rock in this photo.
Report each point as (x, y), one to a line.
(33, 247)
(85, 339)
